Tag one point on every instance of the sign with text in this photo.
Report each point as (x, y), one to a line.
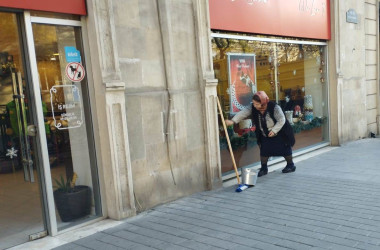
(67, 114)
(292, 18)
(72, 54)
(242, 80)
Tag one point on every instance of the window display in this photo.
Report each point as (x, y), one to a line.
(291, 72)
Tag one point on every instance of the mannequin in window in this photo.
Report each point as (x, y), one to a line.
(289, 103)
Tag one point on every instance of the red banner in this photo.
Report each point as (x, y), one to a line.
(77, 7)
(292, 18)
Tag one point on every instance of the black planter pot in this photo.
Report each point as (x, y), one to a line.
(73, 205)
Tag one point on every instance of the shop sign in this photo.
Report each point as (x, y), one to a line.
(76, 7)
(72, 54)
(75, 72)
(67, 114)
(351, 16)
(292, 18)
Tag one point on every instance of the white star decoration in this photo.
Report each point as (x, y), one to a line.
(12, 152)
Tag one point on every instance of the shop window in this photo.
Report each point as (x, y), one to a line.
(292, 74)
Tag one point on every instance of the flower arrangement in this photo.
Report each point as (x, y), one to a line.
(247, 137)
(240, 139)
(6, 68)
(7, 64)
(314, 123)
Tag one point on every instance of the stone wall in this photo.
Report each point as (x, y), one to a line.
(353, 71)
(158, 51)
(154, 101)
(371, 46)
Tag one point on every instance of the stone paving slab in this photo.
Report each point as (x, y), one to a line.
(330, 202)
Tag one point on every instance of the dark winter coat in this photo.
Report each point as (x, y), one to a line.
(286, 131)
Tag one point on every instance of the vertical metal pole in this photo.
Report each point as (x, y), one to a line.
(28, 157)
(16, 99)
(275, 64)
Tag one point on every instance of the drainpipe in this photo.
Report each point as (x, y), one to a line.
(165, 30)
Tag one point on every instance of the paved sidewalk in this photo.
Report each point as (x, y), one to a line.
(330, 202)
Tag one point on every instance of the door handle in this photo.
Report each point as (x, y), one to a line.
(21, 128)
(32, 130)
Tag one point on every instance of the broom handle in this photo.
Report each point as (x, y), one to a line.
(228, 141)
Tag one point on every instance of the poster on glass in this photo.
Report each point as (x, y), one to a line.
(242, 80)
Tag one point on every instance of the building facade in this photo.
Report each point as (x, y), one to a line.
(115, 102)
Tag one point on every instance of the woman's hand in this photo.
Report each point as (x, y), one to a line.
(271, 134)
(229, 123)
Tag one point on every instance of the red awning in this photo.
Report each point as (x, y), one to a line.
(291, 18)
(76, 7)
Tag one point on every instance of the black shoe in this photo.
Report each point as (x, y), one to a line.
(289, 169)
(263, 171)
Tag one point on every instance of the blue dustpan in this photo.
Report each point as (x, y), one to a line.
(242, 187)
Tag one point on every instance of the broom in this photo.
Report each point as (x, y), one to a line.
(240, 187)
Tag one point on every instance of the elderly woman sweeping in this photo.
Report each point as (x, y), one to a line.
(274, 134)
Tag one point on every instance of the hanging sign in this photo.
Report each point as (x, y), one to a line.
(72, 54)
(75, 72)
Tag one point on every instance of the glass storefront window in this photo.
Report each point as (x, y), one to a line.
(293, 75)
(21, 199)
(66, 108)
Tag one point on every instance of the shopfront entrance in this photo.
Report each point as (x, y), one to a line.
(47, 154)
(21, 205)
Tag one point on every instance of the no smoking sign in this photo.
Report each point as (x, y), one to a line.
(75, 72)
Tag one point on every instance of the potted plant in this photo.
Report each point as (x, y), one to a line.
(72, 201)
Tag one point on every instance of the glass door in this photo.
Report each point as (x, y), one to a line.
(21, 209)
(60, 82)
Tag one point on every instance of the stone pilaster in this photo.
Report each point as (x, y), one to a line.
(119, 175)
(209, 84)
(115, 170)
